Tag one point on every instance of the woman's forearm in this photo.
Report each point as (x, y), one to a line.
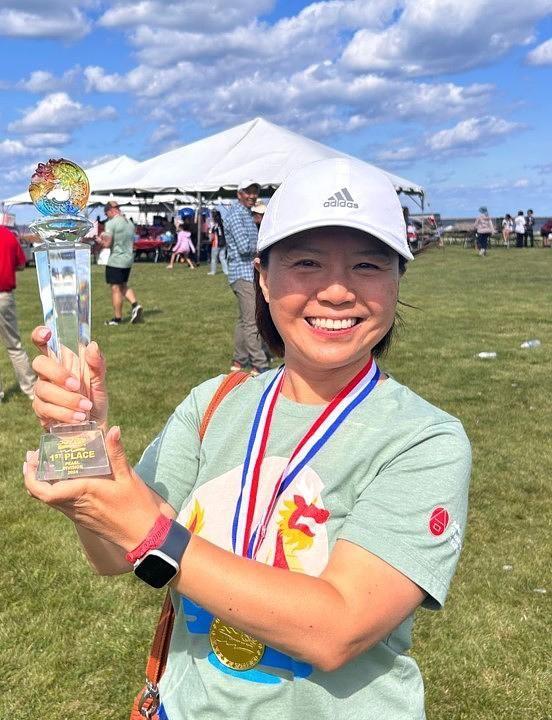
(300, 615)
(105, 557)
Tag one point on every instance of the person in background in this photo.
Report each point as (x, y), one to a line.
(118, 235)
(183, 247)
(241, 240)
(12, 260)
(258, 210)
(529, 226)
(519, 226)
(507, 229)
(218, 244)
(484, 228)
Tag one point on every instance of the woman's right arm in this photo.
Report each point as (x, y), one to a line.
(105, 557)
(58, 399)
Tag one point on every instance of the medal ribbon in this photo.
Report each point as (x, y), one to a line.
(333, 415)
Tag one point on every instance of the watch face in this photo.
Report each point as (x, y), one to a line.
(155, 570)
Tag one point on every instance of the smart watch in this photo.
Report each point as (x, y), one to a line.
(160, 565)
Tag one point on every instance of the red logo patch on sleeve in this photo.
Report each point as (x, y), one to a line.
(438, 521)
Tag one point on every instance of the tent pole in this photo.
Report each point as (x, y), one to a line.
(198, 239)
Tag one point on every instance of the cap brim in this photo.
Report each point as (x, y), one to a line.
(376, 232)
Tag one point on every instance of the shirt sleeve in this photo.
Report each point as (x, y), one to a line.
(19, 255)
(170, 464)
(108, 227)
(237, 229)
(413, 513)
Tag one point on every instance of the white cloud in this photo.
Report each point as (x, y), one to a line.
(210, 15)
(320, 100)
(57, 113)
(142, 80)
(312, 35)
(395, 157)
(445, 36)
(63, 19)
(541, 55)
(20, 173)
(470, 133)
(29, 146)
(42, 81)
(164, 133)
(12, 148)
(99, 160)
(47, 139)
(468, 137)
(288, 71)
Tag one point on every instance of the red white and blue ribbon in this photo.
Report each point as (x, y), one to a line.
(244, 541)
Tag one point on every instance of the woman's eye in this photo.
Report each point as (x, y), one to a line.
(367, 266)
(305, 262)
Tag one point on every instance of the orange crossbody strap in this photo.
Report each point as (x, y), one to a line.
(157, 659)
(229, 383)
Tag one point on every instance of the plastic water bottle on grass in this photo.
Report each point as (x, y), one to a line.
(530, 344)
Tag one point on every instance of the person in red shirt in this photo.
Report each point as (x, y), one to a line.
(12, 259)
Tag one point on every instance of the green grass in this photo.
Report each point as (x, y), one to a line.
(73, 645)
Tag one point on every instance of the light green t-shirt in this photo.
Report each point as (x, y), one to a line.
(122, 250)
(392, 479)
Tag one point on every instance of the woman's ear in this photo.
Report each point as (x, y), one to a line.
(262, 278)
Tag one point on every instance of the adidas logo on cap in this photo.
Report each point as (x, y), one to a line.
(342, 198)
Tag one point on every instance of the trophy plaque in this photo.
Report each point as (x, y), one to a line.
(59, 190)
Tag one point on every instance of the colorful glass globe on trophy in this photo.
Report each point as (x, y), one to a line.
(63, 270)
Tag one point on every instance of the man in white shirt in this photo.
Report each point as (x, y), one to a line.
(519, 226)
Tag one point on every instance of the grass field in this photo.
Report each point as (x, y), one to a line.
(73, 646)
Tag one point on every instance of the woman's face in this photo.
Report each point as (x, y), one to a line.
(332, 294)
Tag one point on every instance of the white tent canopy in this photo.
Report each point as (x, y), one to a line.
(257, 149)
(98, 177)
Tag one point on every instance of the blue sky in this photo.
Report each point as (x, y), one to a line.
(451, 95)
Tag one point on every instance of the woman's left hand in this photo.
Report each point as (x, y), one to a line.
(119, 508)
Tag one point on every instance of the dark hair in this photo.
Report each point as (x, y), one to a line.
(269, 333)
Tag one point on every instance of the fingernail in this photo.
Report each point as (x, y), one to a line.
(85, 405)
(29, 455)
(24, 468)
(79, 416)
(72, 384)
(117, 432)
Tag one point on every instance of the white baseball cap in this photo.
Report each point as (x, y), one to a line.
(336, 191)
(247, 182)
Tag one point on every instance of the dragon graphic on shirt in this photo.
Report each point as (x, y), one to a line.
(296, 530)
(296, 540)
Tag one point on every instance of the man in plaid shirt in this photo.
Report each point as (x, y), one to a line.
(241, 242)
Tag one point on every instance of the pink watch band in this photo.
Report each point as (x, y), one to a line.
(153, 539)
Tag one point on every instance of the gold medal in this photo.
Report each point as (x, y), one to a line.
(234, 648)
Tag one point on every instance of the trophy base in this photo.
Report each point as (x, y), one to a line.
(73, 451)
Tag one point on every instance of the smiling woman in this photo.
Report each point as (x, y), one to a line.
(325, 503)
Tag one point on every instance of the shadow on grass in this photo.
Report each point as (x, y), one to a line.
(12, 392)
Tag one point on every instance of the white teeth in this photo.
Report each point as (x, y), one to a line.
(328, 324)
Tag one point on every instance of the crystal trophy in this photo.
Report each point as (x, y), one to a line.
(63, 270)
